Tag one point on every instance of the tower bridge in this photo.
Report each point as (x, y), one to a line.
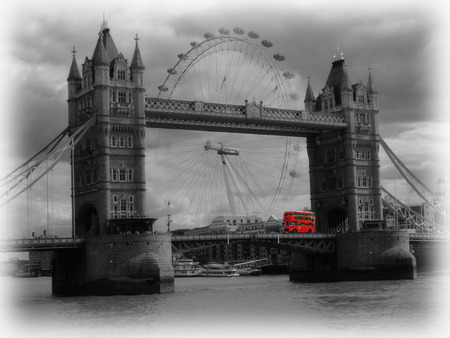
(109, 183)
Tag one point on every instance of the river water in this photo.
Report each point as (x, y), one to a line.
(260, 306)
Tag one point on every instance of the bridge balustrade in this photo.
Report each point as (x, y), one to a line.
(315, 120)
(30, 244)
(429, 237)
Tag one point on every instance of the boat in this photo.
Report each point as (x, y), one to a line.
(186, 267)
(219, 270)
(27, 271)
(249, 272)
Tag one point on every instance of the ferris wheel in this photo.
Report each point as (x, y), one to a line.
(220, 174)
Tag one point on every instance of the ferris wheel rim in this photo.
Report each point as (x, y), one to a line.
(275, 69)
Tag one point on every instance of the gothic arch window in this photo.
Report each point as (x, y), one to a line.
(363, 180)
(121, 141)
(129, 175)
(122, 97)
(119, 69)
(122, 175)
(121, 74)
(114, 175)
(366, 211)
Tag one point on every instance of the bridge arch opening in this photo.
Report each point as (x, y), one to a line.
(88, 222)
(337, 221)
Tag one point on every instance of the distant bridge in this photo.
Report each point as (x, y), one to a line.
(306, 243)
(303, 243)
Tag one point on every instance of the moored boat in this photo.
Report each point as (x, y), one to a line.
(219, 270)
(186, 267)
(27, 271)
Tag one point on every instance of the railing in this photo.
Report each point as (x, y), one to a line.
(153, 105)
(234, 236)
(429, 237)
(29, 244)
(171, 105)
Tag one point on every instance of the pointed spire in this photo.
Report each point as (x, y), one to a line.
(74, 73)
(110, 46)
(370, 85)
(345, 80)
(136, 62)
(99, 57)
(104, 24)
(309, 97)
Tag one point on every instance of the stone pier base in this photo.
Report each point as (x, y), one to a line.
(368, 255)
(115, 265)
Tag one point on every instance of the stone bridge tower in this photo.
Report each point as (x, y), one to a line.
(344, 165)
(121, 252)
(108, 165)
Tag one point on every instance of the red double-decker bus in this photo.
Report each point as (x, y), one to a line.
(299, 221)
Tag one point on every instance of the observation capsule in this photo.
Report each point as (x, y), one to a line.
(279, 57)
(224, 31)
(253, 35)
(266, 43)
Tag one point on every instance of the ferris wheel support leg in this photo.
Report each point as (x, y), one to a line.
(228, 186)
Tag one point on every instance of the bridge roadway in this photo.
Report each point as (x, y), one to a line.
(306, 243)
(34, 244)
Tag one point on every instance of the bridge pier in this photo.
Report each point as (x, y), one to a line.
(115, 265)
(366, 255)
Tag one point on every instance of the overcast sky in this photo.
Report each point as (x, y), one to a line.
(404, 42)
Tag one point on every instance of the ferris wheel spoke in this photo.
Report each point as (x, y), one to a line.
(227, 70)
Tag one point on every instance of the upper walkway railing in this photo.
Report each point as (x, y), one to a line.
(250, 117)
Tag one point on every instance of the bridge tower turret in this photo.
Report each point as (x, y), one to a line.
(344, 165)
(310, 100)
(74, 81)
